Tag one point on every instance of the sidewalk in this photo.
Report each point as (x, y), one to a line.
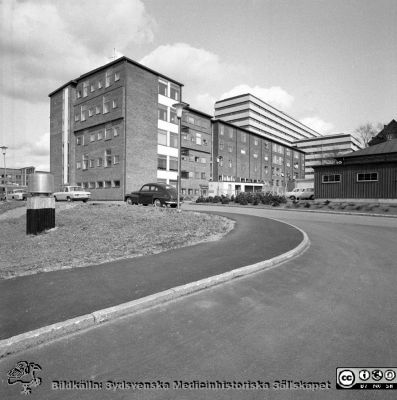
(35, 301)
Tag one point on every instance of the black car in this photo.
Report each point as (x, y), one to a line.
(158, 194)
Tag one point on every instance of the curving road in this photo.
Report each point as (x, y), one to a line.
(334, 306)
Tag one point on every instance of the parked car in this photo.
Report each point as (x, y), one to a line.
(306, 194)
(158, 194)
(293, 194)
(17, 194)
(300, 194)
(72, 193)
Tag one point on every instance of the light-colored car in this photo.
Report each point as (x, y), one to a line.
(72, 193)
(17, 194)
(306, 194)
(293, 194)
(300, 194)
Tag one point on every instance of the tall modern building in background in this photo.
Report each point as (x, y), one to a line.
(323, 150)
(253, 114)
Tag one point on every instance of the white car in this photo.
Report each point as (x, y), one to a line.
(17, 194)
(306, 194)
(293, 194)
(72, 193)
(300, 194)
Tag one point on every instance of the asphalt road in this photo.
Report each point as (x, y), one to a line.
(31, 302)
(334, 306)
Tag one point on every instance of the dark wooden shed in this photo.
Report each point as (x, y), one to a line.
(369, 174)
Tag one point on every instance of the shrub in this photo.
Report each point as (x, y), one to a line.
(201, 200)
(217, 199)
(209, 199)
(250, 197)
(232, 197)
(225, 200)
(243, 201)
(307, 205)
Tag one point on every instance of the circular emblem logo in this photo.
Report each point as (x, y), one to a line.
(364, 375)
(390, 374)
(346, 378)
(377, 374)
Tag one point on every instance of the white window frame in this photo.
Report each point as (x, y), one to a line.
(367, 180)
(333, 181)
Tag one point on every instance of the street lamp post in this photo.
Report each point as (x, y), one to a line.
(179, 107)
(3, 150)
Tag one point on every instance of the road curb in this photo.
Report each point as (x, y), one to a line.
(298, 209)
(45, 334)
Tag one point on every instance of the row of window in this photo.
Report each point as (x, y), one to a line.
(99, 184)
(162, 163)
(361, 177)
(109, 133)
(109, 79)
(195, 120)
(169, 90)
(243, 137)
(107, 161)
(165, 138)
(85, 111)
(194, 137)
(190, 192)
(167, 114)
(193, 175)
(193, 158)
(272, 182)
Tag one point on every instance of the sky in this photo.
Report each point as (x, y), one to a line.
(329, 64)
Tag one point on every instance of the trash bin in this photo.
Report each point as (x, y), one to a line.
(40, 205)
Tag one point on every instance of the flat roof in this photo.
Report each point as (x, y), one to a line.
(194, 110)
(108, 65)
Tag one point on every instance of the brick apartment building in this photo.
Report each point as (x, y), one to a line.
(246, 161)
(114, 129)
(196, 153)
(105, 128)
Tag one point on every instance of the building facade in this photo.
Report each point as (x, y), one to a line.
(367, 175)
(323, 150)
(113, 129)
(16, 176)
(196, 153)
(246, 161)
(253, 114)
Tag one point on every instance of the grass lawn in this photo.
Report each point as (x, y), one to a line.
(94, 233)
(10, 205)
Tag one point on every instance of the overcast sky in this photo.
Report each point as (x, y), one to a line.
(330, 64)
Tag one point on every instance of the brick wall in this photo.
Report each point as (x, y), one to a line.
(141, 127)
(56, 137)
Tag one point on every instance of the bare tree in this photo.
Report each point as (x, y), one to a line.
(367, 131)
